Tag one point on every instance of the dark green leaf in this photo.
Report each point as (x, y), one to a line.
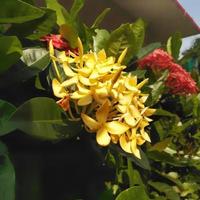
(166, 189)
(101, 39)
(76, 7)
(41, 117)
(100, 18)
(139, 73)
(174, 44)
(136, 192)
(7, 176)
(160, 146)
(35, 29)
(148, 49)
(16, 11)
(6, 110)
(161, 112)
(10, 51)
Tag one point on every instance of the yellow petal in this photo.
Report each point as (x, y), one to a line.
(130, 120)
(134, 149)
(85, 81)
(125, 143)
(70, 82)
(85, 100)
(80, 47)
(134, 112)
(77, 95)
(85, 71)
(121, 109)
(101, 55)
(140, 140)
(144, 98)
(58, 90)
(114, 138)
(130, 84)
(149, 112)
(103, 137)
(51, 49)
(102, 92)
(83, 89)
(145, 135)
(125, 99)
(141, 84)
(92, 124)
(94, 75)
(68, 71)
(116, 128)
(102, 112)
(122, 56)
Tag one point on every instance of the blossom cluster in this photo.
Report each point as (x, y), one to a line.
(108, 100)
(178, 81)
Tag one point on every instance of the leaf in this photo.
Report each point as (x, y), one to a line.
(120, 39)
(138, 29)
(36, 58)
(41, 117)
(134, 176)
(136, 192)
(139, 73)
(157, 89)
(16, 11)
(35, 29)
(166, 189)
(10, 51)
(101, 39)
(6, 110)
(148, 49)
(65, 21)
(100, 18)
(160, 146)
(174, 44)
(161, 112)
(7, 176)
(76, 7)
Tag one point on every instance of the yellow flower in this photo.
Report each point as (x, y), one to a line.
(103, 128)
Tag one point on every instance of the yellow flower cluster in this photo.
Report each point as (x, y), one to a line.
(110, 100)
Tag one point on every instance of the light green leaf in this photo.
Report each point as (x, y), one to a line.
(100, 18)
(37, 28)
(7, 176)
(148, 49)
(6, 110)
(166, 189)
(136, 192)
(10, 51)
(37, 58)
(16, 11)
(160, 146)
(41, 117)
(76, 7)
(101, 39)
(174, 44)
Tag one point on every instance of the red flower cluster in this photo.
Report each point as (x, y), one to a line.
(58, 43)
(178, 81)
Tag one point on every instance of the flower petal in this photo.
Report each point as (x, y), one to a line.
(145, 135)
(103, 137)
(70, 82)
(58, 90)
(101, 55)
(125, 143)
(122, 56)
(85, 100)
(134, 149)
(92, 124)
(102, 112)
(116, 128)
(68, 71)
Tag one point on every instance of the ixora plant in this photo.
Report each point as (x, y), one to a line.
(62, 80)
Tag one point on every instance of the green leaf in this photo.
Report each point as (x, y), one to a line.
(174, 45)
(10, 51)
(101, 39)
(148, 49)
(37, 58)
(136, 192)
(160, 146)
(161, 112)
(100, 18)
(6, 111)
(7, 176)
(166, 189)
(139, 73)
(120, 39)
(134, 176)
(76, 7)
(157, 89)
(37, 28)
(65, 21)
(41, 117)
(138, 29)
(16, 11)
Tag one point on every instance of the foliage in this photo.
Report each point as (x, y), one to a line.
(169, 165)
